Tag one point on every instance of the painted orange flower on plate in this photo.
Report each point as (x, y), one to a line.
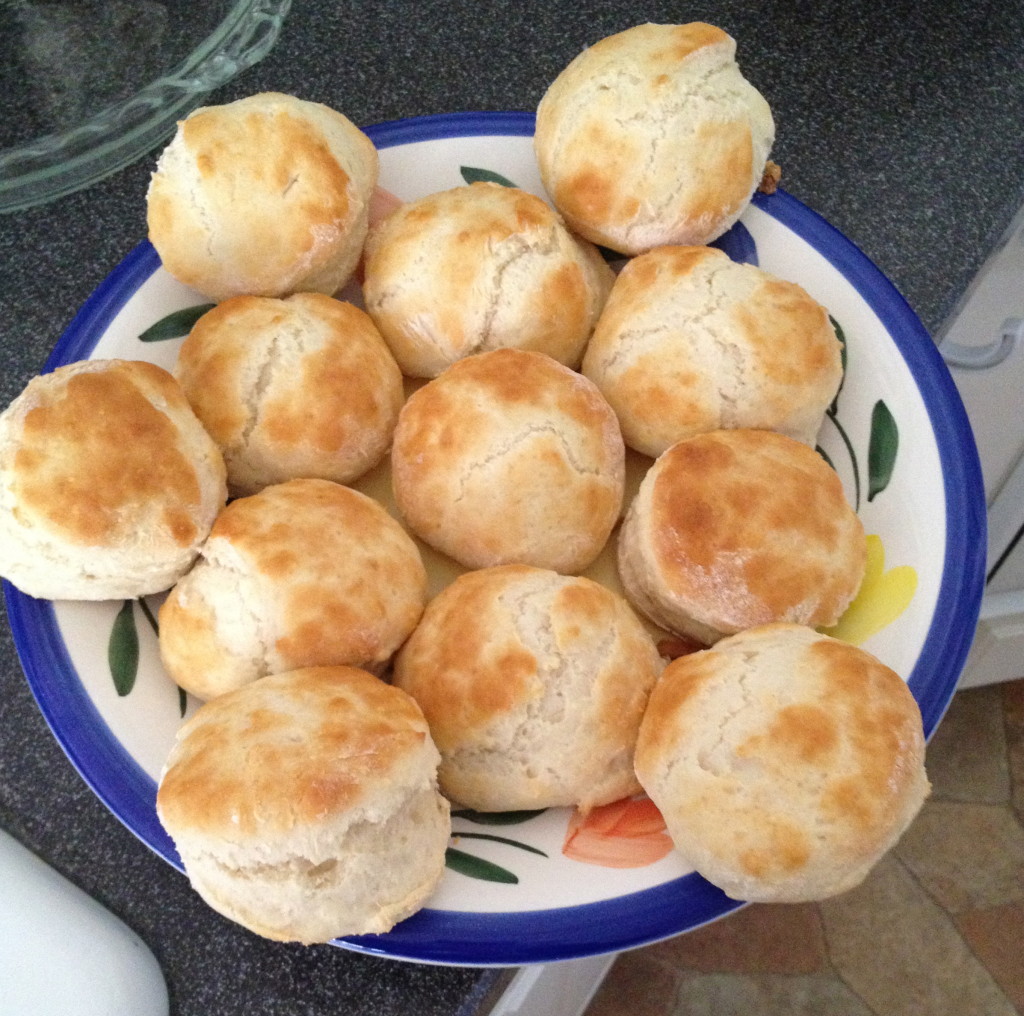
(625, 834)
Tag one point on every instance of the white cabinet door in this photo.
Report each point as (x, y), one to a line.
(989, 326)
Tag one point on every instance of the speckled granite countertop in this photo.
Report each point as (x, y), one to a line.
(902, 129)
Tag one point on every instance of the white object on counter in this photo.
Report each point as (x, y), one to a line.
(61, 952)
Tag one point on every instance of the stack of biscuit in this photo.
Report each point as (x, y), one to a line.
(500, 375)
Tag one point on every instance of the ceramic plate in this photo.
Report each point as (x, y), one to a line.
(530, 887)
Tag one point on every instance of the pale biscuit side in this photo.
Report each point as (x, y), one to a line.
(305, 807)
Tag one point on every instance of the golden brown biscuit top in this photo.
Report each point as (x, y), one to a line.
(477, 267)
(344, 575)
(586, 612)
(607, 187)
(667, 45)
(663, 385)
(673, 713)
(780, 326)
(463, 665)
(640, 142)
(454, 413)
(753, 524)
(290, 750)
(661, 266)
(516, 377)
(282, 522)
(268, 188)
(212, 361)
(488, 645)
(471, 217)
(100, 453)
(825, 734)
(691, 341)
(776, 310)
(318, 396)
(290, 151)
(347, 386)
(538, 429)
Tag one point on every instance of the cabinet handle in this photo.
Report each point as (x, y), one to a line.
(981, 357)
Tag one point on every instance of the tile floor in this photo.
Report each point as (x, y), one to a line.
(937, 929)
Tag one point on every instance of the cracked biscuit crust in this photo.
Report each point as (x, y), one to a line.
(690, 341)
(305, 573)
(268, 195)
(534, 685)
(300, 387)
(509, 457)
(653, 136)
(477, 268)
(785, 762)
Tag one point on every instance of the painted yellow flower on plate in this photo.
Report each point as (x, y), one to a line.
(882, 597)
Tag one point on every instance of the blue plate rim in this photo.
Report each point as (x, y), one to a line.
(963, 573)
(103, 305)
(98, 757)
(514, 938)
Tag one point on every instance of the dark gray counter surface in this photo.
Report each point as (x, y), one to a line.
(902, 123)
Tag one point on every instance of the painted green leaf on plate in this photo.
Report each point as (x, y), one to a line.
(841, 336)
(832, 414)
(841, 431)
(882, 448)
(150, 616)
(499, 839)
(176, 324)
(123, 649)
(497, 817)
(477, 867)
(473, 174)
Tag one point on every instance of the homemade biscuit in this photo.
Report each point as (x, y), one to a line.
(477, 268)
(509, 457)
(267, 195)
(304, 573)
(784, 762)
(533, 685)
(305, 807)
(108, 483)
(653, 136)
(737, 528)
(690, 341)
(297, 387)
